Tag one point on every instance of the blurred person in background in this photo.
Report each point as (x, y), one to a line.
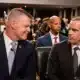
(2, 24)
(64, 26)
(43, 29)
(37, 24)
(34, 28)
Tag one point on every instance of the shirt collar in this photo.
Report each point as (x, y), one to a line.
(8, 41)
(73, 46)
(52, 35)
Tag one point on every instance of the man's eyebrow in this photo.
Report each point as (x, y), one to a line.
(73, 29)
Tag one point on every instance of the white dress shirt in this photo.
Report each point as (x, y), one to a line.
(52, 38)
(78, 53)
(8, 42)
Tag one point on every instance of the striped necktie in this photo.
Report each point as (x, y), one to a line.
(11, 56)
(75, 59)
(55, 40)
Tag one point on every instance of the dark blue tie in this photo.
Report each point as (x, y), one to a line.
(75, 59)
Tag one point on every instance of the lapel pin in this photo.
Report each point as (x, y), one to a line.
(20, 46)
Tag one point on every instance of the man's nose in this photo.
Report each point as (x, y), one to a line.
(28, 29)
(70, 32)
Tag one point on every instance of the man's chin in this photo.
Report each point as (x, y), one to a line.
(24, 38)
(56, 32)
(71, 41)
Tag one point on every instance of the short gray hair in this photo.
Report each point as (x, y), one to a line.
(16, 12)
(76, 18)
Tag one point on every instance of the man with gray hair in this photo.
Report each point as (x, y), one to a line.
(64, 59)
(17, 55)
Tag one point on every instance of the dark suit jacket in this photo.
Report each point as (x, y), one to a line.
(24, 66)
(46, 40)
(60, 63)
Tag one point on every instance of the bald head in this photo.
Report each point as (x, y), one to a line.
(54, 18)
(54, 24)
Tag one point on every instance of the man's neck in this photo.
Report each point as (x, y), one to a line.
(10, 35)
(54, 33)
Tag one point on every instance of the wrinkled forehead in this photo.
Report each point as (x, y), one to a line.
(74, 24)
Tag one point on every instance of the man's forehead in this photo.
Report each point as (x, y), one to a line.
(55, 20)
(75, 22)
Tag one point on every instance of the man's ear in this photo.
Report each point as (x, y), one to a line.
(6, 22)
(49, 23)
(13, 24)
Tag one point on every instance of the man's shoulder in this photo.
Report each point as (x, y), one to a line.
(65, 37)
(44, 36)
(26, 43)
(62, 44)
(60, 47)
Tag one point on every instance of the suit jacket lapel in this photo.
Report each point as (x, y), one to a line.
(70, 57)
(71, 62)
(70, 52)
(3, 56)
(66, 58)
(19, 57)
(78, 72)
(61, 37)
(49, 41)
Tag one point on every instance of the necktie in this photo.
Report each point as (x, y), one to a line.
(75, 59)
(55, 40)
(11, 56)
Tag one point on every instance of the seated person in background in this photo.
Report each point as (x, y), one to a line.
(64, 26)
(53, 36)
(64, 59)
(43, 29)
(2, 24)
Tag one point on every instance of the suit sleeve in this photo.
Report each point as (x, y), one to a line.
(32, 63)
(53, 65)
(39, 43)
